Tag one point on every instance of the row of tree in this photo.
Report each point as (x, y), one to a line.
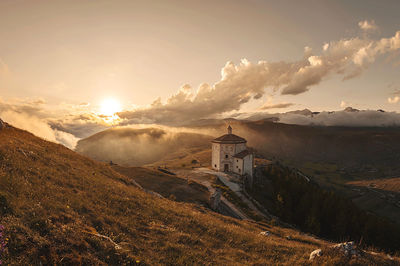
(305, 204)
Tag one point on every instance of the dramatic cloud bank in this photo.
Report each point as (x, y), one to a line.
(241, 83)
(353, 118)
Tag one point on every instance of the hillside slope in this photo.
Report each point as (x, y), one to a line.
(59, 207)
(168, 186)
(136, 147)
(380, 195)
(333, 156)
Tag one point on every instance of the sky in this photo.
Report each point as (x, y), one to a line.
(70, 64)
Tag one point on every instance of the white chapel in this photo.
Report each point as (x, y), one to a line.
(230, 154)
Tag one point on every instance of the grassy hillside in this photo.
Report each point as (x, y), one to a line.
(185, 159)
(168, 186)
(59, 207)
(380, 195)
(386, 184)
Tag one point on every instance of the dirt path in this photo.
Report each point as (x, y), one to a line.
(206, 176)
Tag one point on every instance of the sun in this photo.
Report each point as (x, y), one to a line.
(109, 107)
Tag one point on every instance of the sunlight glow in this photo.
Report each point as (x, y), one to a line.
(109, 107)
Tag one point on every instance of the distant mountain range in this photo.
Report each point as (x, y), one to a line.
(349, 117)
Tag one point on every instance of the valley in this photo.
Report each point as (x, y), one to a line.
(333, 156)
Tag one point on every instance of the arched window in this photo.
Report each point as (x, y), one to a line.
(226, 156)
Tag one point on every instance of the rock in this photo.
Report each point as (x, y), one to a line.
(264, 233)
(348, 248)
(315, 253)
(153, 193)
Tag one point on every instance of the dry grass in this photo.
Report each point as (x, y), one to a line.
(166, 185)
(186, 159)
(387, 184)
(60, 207)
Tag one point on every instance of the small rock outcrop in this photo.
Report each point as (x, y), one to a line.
(347, 248)
(315, 253)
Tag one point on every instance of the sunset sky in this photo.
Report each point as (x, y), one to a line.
(153, 60)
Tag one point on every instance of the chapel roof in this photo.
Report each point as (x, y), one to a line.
(229, 138)
(242, 154)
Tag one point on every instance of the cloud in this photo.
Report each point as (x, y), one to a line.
(366, 25)
(394, 99)
(39, 101)
(80, 125)
(38, 127)
(35, 116)
(366, 118)
(345, 104)
(276, 106)
(240, 83)
(395, 93)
